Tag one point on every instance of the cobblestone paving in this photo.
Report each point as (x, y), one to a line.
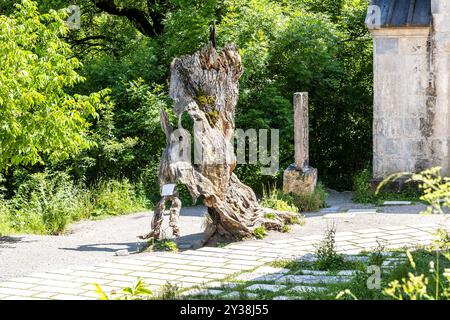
(208, 266)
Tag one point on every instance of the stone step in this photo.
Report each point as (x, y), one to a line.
(397, 203)
(265, 287)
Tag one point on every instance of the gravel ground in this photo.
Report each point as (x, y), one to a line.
(92, 242)
(87, 243)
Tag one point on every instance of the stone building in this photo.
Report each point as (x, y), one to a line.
(411, 128)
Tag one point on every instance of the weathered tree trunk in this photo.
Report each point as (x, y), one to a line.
(206, 86)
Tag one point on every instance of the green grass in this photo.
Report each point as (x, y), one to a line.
(111, 198)
(422, 259)
(5, 228)
(297, 266)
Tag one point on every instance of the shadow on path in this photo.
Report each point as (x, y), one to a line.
(191, 241)
(105, 247)
(9, 241)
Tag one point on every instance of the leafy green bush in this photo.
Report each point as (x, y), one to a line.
(40, 119)
(363, 192)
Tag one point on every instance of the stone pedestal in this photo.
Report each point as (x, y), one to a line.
(299, 181)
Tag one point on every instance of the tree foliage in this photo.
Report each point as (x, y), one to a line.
(39, 118)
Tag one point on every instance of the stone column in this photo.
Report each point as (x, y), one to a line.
(300, 178)
(301, 130)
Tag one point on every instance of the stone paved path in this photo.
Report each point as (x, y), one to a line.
(204, 266)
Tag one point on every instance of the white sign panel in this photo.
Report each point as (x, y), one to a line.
(167, 190)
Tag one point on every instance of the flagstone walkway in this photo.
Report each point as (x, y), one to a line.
(204, 266)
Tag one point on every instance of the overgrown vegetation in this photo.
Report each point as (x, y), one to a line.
(365, 192)
(277, 200)
(420, 284)
(312, 202)
(170, 292)
(165, 245)
(424, 277)
(436, 189)
(260, 232)
(45, 203)
(327, 256)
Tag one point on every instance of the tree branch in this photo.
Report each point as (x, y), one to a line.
(85, 40)
(139, 18)
(155, 11)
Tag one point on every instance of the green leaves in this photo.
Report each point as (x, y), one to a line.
(39, 119)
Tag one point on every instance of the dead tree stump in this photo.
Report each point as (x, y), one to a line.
(205, 85)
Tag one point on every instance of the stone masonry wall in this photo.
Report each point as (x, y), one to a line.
(411, 128)
(441, 69)
(401, 124)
